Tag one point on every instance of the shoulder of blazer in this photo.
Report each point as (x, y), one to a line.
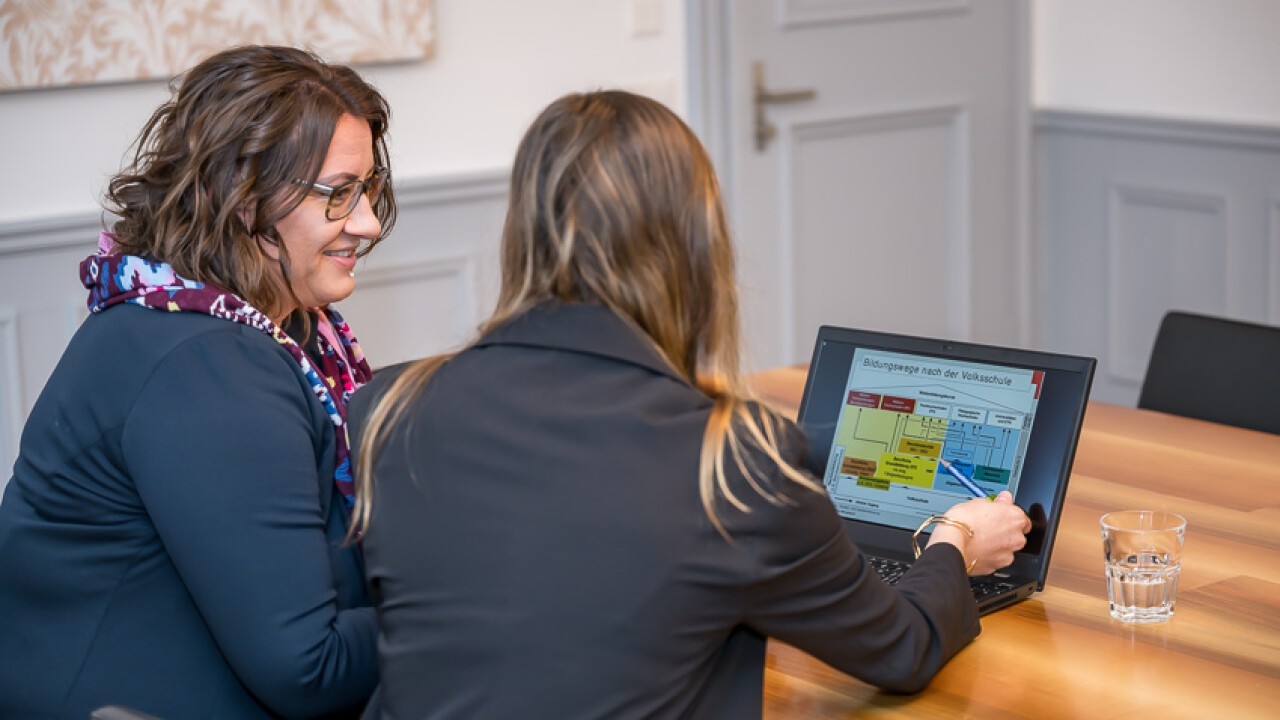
(582, 328)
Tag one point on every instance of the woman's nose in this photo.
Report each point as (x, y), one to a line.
(363, 222)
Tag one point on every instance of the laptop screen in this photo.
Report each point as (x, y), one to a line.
(905, 418)
(887, 414)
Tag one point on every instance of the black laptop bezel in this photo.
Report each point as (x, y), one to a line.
(1050, 455)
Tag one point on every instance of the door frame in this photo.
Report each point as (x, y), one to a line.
(709, 37)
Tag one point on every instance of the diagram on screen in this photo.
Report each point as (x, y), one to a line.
(903, 414)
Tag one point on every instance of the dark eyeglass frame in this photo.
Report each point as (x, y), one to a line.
(371, 186)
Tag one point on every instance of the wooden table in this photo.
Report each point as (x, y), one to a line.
(1059, 654)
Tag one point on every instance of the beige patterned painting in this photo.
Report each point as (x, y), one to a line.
(46, 43)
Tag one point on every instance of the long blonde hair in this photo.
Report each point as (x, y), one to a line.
(613, 201)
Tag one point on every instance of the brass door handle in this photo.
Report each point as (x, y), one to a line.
(765, 130)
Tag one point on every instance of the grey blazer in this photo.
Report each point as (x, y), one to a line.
(538, 548)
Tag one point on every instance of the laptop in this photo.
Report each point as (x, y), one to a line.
(886, 413)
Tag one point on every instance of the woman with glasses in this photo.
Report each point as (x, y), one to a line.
(582, 514)
(173, 537)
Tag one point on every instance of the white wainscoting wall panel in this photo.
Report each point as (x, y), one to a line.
(1177, 236)
(422, 291)
(415, 309)
(1138, 216)
(11, 401)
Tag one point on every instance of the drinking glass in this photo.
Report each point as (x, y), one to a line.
(1143, 554)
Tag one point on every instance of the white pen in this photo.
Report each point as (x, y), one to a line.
(969, 485)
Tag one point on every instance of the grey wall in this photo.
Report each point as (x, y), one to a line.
(1136, 216)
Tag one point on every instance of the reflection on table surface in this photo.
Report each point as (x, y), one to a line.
(1059, 654)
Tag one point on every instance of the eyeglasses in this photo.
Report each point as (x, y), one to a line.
(344, 198)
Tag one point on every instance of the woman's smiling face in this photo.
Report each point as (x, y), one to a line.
(322, 252)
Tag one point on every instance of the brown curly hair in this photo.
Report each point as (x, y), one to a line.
(218, 165)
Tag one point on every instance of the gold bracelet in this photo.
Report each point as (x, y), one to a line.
(944, 520)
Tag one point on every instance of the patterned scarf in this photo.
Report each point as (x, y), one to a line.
(113, 279)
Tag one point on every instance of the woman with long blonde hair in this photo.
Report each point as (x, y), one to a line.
(583, 513)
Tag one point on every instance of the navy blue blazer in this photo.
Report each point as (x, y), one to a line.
(171, 539)
(538, 548)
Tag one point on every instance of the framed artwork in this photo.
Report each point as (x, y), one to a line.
(50, 43)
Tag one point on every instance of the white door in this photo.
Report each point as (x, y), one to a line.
(895, 197)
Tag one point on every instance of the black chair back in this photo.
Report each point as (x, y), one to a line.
(1212, 368)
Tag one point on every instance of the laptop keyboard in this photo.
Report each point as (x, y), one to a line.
(891, 571)
(985, 587)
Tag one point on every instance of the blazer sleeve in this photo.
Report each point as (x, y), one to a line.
(813, 589)
(222, 445)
